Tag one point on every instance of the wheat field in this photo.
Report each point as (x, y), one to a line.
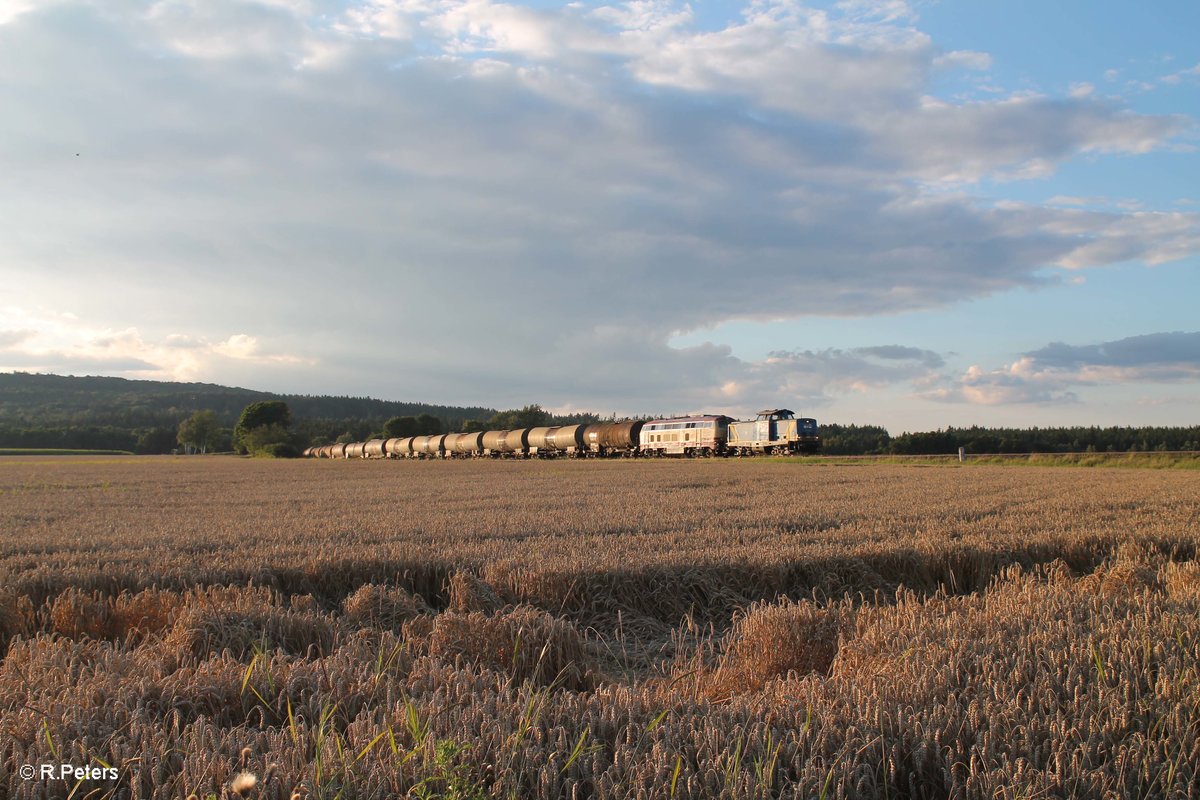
(218, 627)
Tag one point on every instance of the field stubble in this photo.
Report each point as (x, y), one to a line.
(614, 629)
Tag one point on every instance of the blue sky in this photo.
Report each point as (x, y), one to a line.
(909, 214)
(1123, 51)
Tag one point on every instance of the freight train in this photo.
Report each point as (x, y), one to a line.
(776, 431)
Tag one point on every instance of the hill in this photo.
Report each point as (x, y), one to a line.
(37, 400)
(101, 412)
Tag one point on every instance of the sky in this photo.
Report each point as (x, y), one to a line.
(911, 214)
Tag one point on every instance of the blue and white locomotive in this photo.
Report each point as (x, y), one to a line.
(776, 431)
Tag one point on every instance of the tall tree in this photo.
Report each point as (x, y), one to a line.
(401, 427)
(200, 430)
(156, 440)
(428, 425)
(272, 414)
(530, 416)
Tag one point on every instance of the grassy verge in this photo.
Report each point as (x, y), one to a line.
(1130, 460)
(57, 451)
(1189, 460)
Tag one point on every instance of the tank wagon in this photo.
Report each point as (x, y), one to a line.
(464, 444)
(429, 446)
(555, 440)
(776, 430)
(614, 438)
(398, 448)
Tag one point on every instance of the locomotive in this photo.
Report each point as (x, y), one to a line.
(776, 431)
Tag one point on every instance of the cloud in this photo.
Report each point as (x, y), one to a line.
(1045, 375)
(439, 198)
(1154, 348)
(64, 363)
(815, 378)
(56, 341)
(14, 337)
(1017, 383)
(1175, 78)
(895, 352)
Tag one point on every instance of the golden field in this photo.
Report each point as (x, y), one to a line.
(742, 629)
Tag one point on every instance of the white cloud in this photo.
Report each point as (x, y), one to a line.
(57, 341)
(244, 347)
(1048, 374)
(9, 338)
(1019, 382)
(645, 16)
(1175, 78)
(11, 9)
(437, 199)
(815, 378)
(964, 59)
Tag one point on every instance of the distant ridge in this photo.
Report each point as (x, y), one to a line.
(32, 399)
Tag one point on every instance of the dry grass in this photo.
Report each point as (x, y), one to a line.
(317, 629)
(525, 643)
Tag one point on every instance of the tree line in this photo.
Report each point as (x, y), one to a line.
(874, 440)
(273, 426)
(204, 432)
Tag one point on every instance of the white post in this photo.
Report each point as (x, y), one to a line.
(961, 450)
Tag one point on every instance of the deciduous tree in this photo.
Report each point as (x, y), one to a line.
(200, 430)
(401, 427)
(273, 414)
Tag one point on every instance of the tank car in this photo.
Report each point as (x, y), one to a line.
(613, 438)
(568, 439)
(400, 447)
(556, 440)
(537, 439)
(506, 443)
(429, 446)
(464, 445)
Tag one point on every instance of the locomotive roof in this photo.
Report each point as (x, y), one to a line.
(692, 418)
(769, 411)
